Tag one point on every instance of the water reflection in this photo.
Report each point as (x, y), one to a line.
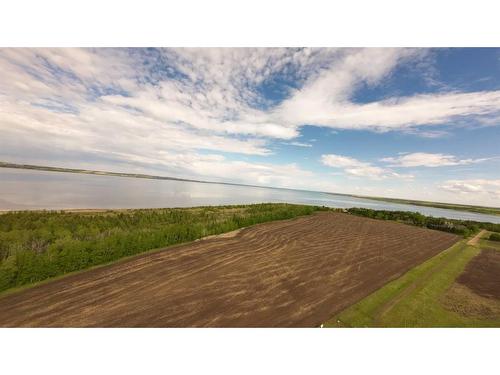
(26, 189)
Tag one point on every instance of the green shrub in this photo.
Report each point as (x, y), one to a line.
(461, 227)
(37, 245)
(494, 237)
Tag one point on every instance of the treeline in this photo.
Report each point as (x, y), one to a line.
(35, 246)
(461, 227)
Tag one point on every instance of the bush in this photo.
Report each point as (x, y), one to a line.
(463, 228)
(494, 237)
(37, 245)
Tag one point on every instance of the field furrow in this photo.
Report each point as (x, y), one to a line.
(297, 272)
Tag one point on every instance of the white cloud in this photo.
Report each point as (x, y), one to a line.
(216, 167)
(167, 109)
(100, 128)
(299, 144)
(219, 168)
(397, 113)
(423, 159)
(339, 161)
(432, 134)
(325, 100)
(473, 187)
(95, 108)
(111, 110)
(215, 91)
(359, 168)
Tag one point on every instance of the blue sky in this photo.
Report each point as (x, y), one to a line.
(409, 123)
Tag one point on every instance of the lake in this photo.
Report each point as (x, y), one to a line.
(28, 190)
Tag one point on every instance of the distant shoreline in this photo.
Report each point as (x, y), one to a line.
(102, 173)
(129, 175)
(446, 206)
(449, 206)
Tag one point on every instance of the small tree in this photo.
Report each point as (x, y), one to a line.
(494, 237)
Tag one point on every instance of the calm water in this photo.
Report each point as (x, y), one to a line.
(25, 189)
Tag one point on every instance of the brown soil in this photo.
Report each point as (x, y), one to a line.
(386, 307)
(482, 274)
(296, 273)
(465, 302)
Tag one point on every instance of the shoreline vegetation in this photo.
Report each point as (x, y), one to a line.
(40, 245)
(448, 206)
(463, 228)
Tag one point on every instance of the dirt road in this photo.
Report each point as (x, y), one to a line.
(474, 240)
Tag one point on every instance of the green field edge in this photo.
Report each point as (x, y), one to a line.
(421, 306)
(21, 288)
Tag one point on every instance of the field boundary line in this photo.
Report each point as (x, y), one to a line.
(387, 306)
(146, 253)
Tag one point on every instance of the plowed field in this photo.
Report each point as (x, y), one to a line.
(482, 274)
(295, 273)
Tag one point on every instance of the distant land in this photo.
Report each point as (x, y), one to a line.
(449, 206)
(117, 174)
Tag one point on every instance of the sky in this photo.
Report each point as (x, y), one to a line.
(405, 123)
